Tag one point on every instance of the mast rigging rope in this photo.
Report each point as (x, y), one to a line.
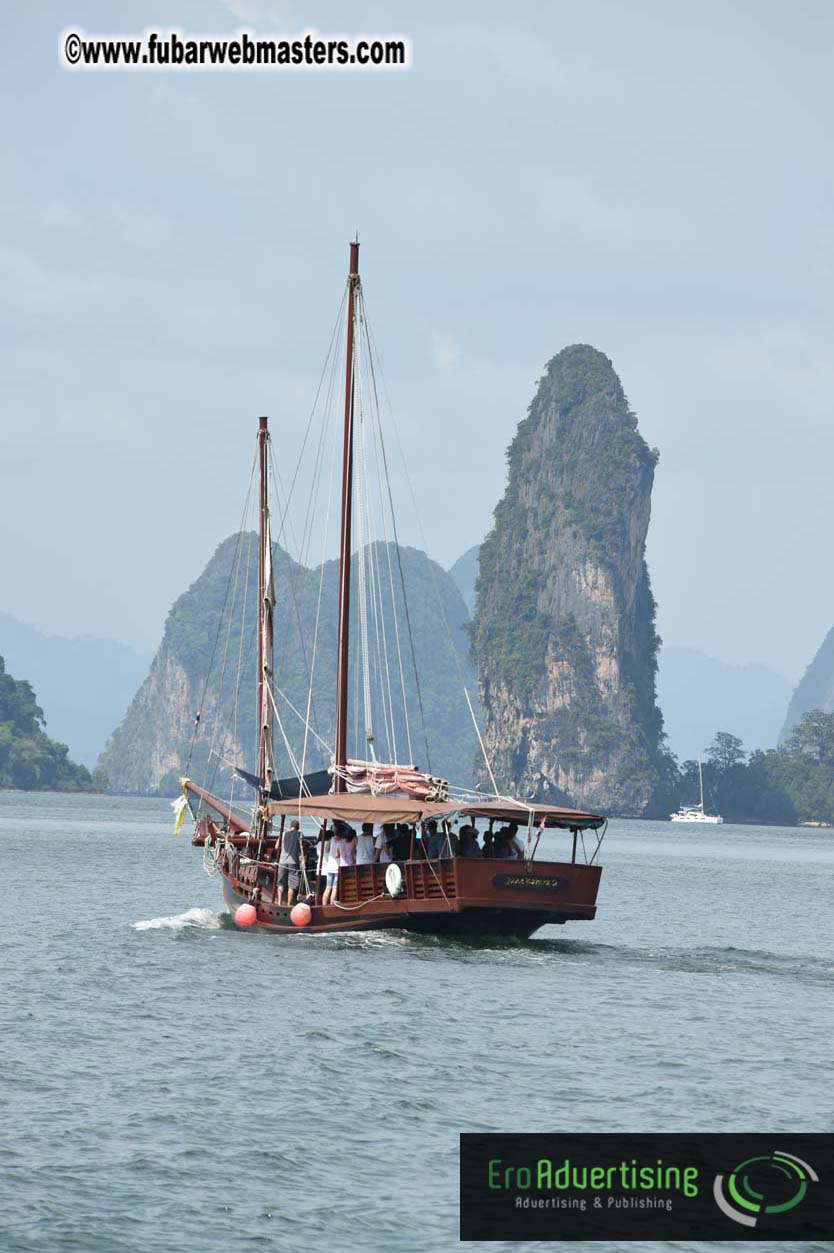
(397, 544)
(222, 611)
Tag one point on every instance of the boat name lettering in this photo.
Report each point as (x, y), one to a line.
(546, 883)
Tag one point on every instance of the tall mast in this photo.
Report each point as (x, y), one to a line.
(344, 548)
(701, 780)
(264, 616)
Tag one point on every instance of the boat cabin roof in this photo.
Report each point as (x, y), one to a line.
(363, 807)
(519, 812)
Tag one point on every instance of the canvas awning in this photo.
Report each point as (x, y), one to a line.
(362, 807)
(552, 815)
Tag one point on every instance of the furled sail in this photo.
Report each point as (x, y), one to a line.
(269, 582)
(381, 779)
(313, 784)
(376, 778)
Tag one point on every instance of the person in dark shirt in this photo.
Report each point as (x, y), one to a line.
(507, 844)
(443, 843)
(515, 844)
(401, 843)
(469, 846)
(434, 839)
(501, 843)
(288, 864)
(389, 835)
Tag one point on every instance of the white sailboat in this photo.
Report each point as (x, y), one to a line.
(695, 813)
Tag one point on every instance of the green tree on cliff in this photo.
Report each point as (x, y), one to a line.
(813, 737)
(725, 752)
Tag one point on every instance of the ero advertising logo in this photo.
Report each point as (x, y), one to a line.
(647, 1187)
(772, 1184)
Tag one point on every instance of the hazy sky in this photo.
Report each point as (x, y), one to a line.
(652, 178)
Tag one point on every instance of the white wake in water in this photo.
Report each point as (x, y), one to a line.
(207, 919)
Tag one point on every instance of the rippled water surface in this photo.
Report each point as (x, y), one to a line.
(171, 1083)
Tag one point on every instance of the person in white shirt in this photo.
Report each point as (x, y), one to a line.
(383, 853)
(365, 845)
(329, 866)
(341, 854)
(337, 852)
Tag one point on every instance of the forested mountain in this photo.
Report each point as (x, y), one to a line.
(29, 759)
(563, 630)
(206, 663)
(815, 689)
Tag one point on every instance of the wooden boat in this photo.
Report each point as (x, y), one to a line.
(447, 894)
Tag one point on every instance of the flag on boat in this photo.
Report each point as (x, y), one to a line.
(179, 807)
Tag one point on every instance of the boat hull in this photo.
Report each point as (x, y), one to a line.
(453, 897)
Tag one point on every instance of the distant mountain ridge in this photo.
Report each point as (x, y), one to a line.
(700, 695)
(150, 748)
(84, 684)
(815, 689)
(464, 572)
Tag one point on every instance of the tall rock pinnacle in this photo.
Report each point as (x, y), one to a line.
(563, 631)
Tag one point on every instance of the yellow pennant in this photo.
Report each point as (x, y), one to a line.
(179, 806)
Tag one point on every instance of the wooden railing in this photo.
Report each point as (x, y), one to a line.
(422, 880)
(458, 880)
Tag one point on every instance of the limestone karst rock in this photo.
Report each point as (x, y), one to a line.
(563, 630)
(149, 749)
(815, 690)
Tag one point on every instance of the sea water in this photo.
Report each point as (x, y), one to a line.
(171, 1083)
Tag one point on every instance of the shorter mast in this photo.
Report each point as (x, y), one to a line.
(265, 603)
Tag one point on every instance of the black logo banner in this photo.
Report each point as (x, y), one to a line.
(647, 1187)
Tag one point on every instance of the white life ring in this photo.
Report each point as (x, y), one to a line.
(394, 879)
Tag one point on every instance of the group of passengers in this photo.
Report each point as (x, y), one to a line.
(344, 846)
